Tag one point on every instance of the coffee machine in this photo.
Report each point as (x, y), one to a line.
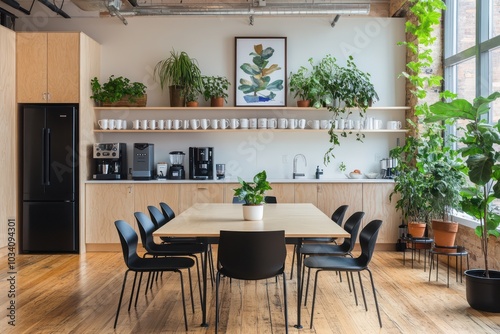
(176, 170)
(110, 160)
(387, 168)
(143, 161)
(201, 163)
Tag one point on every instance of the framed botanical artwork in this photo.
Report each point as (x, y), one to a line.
(260, 71)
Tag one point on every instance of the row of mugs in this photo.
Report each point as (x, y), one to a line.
(112, 124)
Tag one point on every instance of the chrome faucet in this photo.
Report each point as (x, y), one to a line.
(295, 174)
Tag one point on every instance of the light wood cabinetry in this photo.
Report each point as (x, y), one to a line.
(284, 192)
(333, 195)
(48, 67)
(200, 193)
(153, 194)
(306, 193)
(106, 203)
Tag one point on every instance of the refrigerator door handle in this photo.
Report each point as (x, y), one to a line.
(46, 158)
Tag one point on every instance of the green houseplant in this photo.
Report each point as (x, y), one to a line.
(479, 147)
(214, 88)
(305, 84)
(118, 91)
(180, 73)
(253, 195)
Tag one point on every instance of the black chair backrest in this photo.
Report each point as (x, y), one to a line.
(368, 239)
(351, 226)
(236, 200)
(146, 229)
(167, 211)
(252, 255)
(128, 240)
(338, 215)
(270, 199)
(156, 216)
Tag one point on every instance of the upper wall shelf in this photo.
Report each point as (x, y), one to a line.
(241, 108)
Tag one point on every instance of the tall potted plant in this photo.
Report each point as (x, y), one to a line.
(253, 195)
(214, 88)
(179, 72)
(479, 147)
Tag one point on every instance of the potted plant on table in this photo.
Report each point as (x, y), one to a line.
(180, 73)
(479, 146)
(253, 195)
(118, 92)
(214, 88)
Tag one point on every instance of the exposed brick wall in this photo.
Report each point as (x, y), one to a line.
(466, 237)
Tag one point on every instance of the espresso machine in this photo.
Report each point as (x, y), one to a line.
(201, 163)
(388, 168)
(110, 160)
(176, 170)
(143, 160)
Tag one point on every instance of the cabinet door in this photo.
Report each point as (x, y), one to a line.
(284, 192)
(31, 67)
(306, 193)
(229, 191)
(63, 67)
(200, 193)
(377, 206)
(331, 196)
(106, 203)
(153, 194)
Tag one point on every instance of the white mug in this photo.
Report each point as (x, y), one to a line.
(341, 124)
(168, 124)
(118, 124)
(224, 123)
(394, 125)
(243, 123)
(152, 124)
(111, 124)
(176, 124)
(357, 125)
(234, 123)
(377, 124)
(144, 124)
(349, 124)
(185, 124)
(161, 124)
(292, 123)
(326, 124)
(369, 123)
(195, 124)
(103, 124)
(136, 125)
(313, 123)
(301, 123)
(335, 124)
(124, 124)
(214, 123)
(262, 123)
(204, 123)
(272, 123)
(252, 123)
(282, 123)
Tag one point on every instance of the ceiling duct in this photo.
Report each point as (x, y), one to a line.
(54, 8)
(16, 5)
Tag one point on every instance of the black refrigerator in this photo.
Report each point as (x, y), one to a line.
(50, 178)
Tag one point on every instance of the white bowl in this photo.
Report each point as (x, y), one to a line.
(355, 176)
(371, 175)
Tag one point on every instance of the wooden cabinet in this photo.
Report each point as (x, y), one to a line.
(200, 193)
(333, 195)
(48, 67)
(284, 192)
(106, 203)
(152, 194)
(306, 193)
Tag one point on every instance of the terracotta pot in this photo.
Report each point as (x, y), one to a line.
(444, 234)
(303, 103)
(217, 102)
(192, 104)
(253, 212)
(176, 98)
(417, 230)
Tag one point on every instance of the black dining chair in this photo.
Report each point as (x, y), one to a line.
(351, 226)
(367, 240)
(167, 211)
(137, 264)
(338, 218)
(146, 229)
(270, 199)
(251, 256)
(237, 200)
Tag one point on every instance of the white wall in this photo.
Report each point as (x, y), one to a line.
(134, 50)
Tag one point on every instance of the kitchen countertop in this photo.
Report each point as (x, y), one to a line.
(234, 180)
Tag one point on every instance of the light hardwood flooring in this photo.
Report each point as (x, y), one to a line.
(79, 294)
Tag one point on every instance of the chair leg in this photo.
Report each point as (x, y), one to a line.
(293, 260)
(375, 297)
(191, 289)
(314, 297)
(307, 285)
(183, 300)
(121, 297)
(286, 302)
(353, 287)
(362, 289)
(138, 289)
(198, 273)
(217, 282)
(132, 292)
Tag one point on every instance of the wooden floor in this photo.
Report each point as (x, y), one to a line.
(79, 294)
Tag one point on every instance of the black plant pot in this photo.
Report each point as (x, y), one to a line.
(483, 293)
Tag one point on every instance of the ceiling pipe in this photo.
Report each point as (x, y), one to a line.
(114, 11)
(14, 4)
(54, 8)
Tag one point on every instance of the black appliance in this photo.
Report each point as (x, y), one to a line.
(176, 170)
(50, 178)
(201, 163)
(143, 164)
(110, 160)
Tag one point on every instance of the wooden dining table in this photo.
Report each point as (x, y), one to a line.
(205, 221)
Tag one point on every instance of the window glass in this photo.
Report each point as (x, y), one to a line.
(465, 85)
(495, 18)
(495, 82)
(466, 24)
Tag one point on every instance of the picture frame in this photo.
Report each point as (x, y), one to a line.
(260, 72)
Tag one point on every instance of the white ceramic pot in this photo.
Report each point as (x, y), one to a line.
(253, 212)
